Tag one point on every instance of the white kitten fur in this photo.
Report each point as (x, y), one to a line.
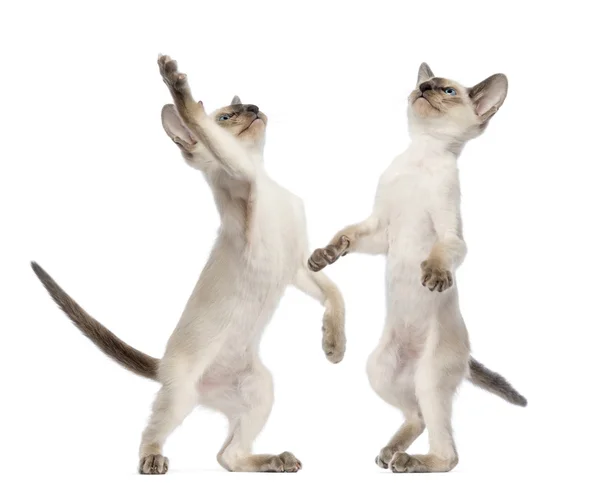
(212, 357)
(423, 353)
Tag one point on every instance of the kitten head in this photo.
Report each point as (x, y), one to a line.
(245, 122)
(444, 108)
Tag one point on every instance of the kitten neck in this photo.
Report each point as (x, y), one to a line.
(255, 152)
(436, 144)
(256, 157)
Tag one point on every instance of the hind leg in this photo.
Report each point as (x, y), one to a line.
(172, 405)
(410, 430)
(438, 375)
(175, 400)
(392, 380)
(247, 404)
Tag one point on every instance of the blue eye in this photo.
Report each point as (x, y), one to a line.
(450, 91)
(224, 117)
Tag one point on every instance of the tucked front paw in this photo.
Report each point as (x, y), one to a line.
(435, 276)
(334, 345)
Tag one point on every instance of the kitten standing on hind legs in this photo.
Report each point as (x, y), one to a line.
(424, 352)
(212, 355)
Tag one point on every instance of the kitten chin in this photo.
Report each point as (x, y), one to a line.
(423, 108)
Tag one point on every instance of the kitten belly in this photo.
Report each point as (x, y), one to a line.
(232, 299)
(408, 301)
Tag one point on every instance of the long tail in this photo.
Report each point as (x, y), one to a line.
(130, 358)
(493, 382)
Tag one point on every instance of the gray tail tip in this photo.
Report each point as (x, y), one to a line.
(40, 272)
(521, 401)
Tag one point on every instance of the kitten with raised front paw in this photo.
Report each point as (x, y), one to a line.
(212, 357)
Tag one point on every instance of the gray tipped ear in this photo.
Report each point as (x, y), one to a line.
(175, 129)
(235, 100)
(425, 73)
(488, 95)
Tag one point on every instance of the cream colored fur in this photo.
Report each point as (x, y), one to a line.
(212, 357)
(424, 352)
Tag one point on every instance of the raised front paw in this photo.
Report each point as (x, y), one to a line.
(322, 257)
(334, 344)
(180, 90)
(174, 79)
(435, 276)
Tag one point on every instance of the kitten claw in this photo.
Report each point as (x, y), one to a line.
(435, 277)
(384, 457)
(317, 261)
(405, 463)
(154, 464)
(175, 80)
(322, 257)
(334, 345)
(286, 462)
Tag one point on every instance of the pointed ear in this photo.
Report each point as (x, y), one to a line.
(175, 129)
(425, 73)
(235, 100)
(488, 96)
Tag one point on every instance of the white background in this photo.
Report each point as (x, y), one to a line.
(93, 190)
